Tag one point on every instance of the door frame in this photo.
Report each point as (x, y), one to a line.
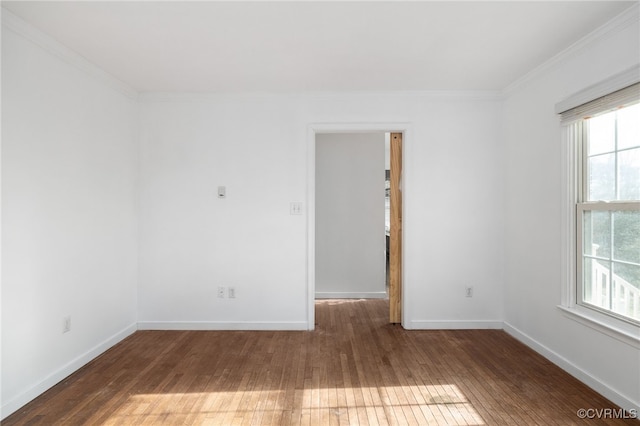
(318, 128)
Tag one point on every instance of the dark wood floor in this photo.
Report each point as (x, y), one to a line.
(353, 369)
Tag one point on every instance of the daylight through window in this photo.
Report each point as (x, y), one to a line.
(608, 212)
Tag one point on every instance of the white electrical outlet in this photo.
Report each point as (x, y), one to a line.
(66, 324)
(232, 292)
(468, 291)
(295, 208)
(220, 292)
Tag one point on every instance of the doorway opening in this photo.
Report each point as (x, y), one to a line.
(355, 216)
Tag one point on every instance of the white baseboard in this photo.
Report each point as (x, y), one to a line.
(223, 325)
(600, 387)
(351, 295)
(454, 325)
(14, 404)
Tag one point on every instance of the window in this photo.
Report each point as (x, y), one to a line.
(606, 136)
(608, 214)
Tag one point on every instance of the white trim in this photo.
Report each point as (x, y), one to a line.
(617, 24)
(74, 365)
(478, 95)
(616, 397)
(572, 163)
(467, 95)
(609, 85)
(1, 222)
(605, 324)
(57, 49)
(223, 325)
(347, 127)
(311, 226)
(570, 170)
(455, 324)
(351, 295)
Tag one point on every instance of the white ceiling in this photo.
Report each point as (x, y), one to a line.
(317, 46)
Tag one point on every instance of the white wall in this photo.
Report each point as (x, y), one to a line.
(192, 242)
(350, 237)
(68, 218)
(533, 269)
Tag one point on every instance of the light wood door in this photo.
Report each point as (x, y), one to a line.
(395, 231)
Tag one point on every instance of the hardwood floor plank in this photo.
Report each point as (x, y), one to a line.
(355, 368)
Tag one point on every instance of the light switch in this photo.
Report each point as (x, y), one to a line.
(222, 192)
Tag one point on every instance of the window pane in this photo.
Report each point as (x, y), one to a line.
(626, 236)
(602, 182)
(597, 233)
(627, 273)
(629, 174)
(629, 127)
(602, 133)
(597, 282)
(625, 296)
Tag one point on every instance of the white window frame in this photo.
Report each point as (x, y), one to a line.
(623, 329)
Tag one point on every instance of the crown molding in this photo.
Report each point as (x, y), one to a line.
(629, 17)
(153, 97)
(479, 95)
(19, 26)
(612, 84)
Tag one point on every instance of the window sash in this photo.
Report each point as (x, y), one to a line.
(611, 207)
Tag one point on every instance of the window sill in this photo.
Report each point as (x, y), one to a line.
(617, 329)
